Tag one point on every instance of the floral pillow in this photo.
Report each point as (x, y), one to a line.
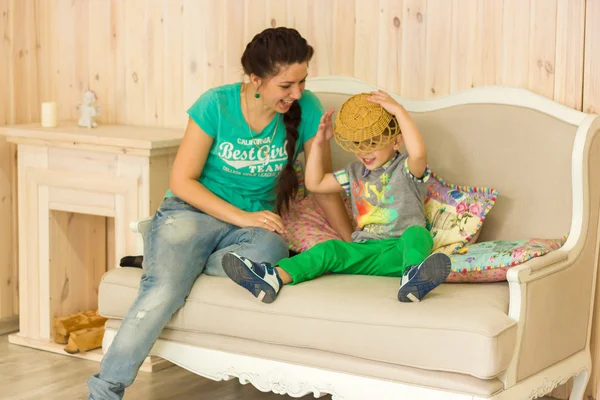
(306, 225)
(455, 214)
(490, 261)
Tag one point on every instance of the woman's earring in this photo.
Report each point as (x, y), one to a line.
(257, 95)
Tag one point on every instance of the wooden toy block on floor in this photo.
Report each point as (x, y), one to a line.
(82, 331)
(63, 326)
(85, 339)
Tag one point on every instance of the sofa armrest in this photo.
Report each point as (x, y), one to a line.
(539, 267)
(141, 228)
(551, 297)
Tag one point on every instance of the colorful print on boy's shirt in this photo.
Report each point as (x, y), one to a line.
(385, 201)
(369, 200)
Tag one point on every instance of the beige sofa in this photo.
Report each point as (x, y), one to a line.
(350, 337)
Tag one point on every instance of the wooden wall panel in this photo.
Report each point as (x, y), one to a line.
(298, 17)
(466, 44)
(515, 45)
(154, 31)
(136, 62)
(320, 36)
(215, 43)
(77, 261)
(113, 108)
(8, 277)
(148, 60)
(568, 71)
(6, 245)
(14, 53)
(542, 47)
(255, 17)
(439, 43)
(24, 59)
(365, 42)
(414, 46)
(234, 37)
(277, 13)
(389, 55)
(100, 53)
(194, 53)
(5, 67)
(47, 42)
(591, 78)
(343, 31)
(489, 43)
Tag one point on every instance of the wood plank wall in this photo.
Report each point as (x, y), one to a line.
(148, 60)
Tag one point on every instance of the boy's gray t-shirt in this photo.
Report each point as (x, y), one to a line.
(385, 201)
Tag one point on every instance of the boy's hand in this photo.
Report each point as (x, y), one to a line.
(325, 132)
(386, 101)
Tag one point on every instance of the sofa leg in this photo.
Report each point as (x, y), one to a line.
(580, 382)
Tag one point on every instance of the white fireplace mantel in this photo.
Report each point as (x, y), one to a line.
(110, 173)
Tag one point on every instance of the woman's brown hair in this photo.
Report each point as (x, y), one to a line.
(264, 56)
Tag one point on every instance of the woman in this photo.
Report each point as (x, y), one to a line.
(232, 175)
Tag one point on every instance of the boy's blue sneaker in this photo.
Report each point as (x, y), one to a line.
(423, 278)
(262, 280)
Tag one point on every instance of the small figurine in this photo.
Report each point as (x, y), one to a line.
(88, 110)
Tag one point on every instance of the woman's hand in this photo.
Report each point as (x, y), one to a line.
(262, 219)
(325, 132)
(386, 101)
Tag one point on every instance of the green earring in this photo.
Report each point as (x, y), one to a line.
(257, 95)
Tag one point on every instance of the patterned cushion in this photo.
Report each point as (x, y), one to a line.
(306, 225)
(455, 214)
(490, 261)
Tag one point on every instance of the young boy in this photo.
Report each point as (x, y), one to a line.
(387, 190)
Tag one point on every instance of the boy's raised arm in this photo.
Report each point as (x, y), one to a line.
(415, 146)
(315, 179)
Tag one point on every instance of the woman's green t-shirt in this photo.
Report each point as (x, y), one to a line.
(240, 168)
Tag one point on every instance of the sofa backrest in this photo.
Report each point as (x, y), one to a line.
(523, 153)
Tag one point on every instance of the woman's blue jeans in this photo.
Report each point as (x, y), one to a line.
(182, 242)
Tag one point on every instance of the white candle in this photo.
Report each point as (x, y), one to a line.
(49, 114)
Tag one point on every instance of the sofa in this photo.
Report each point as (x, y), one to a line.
(348, 336)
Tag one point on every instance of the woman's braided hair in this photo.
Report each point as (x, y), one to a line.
(264, 56)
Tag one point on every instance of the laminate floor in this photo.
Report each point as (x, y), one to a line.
(28, 374)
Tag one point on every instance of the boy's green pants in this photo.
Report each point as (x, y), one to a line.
(388, 257)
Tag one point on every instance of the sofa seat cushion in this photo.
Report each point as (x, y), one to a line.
(460, 328)
(324, 360)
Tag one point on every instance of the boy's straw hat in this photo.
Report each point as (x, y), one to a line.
(360, 124)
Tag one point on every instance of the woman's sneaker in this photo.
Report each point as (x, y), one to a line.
(262, 280)
(423, 278)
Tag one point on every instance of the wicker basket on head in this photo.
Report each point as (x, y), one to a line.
(362, 125)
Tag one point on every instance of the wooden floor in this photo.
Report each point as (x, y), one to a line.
(27, 374)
